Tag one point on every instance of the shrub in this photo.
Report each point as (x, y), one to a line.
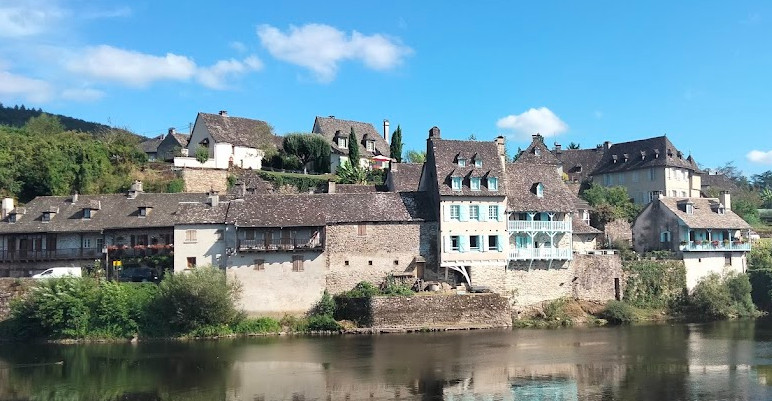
(57, 308)
(716, 297)
(363, 289)
(175, 186)
(202, 154)
(618, 312)
(654, 284)
(555, 311)
(293, 323)
(393, 288)
(325, 306)
(322, 323)
(257, 326)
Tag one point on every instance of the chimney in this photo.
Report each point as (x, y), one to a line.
(725, 199)
(75, 197)
(434, 132)
(172, 131)
(213, 198)
(331, 116)
(607, 145)
(501, 148)
(558, 147)
(241, 189)
(135, 189)
(6, 207)
(224, 113)
(386, 130)
(331, 187)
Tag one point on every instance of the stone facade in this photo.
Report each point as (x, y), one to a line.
(10, 289)
(205, 180)
(618, 230)
(440, 311)
(371, 251)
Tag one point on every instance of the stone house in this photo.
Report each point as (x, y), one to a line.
(404, 177)
(704, 232)
(78, 230)
(230, 141)
(150, 147)
(374, 149)
(171, 145)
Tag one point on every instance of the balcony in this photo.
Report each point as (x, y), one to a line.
(540, 254)
(530, 226)
(27, 255)
(718, 246)
(279, 244)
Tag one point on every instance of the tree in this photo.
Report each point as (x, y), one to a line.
(733, 173)
(44, 124)
(763, 180)
(573, 145)
(609, 203)
(202, 154)
(766, 198)
(472, 137)
(353, 147)
(517, 155)
(415, 156)
(395, 148)
(351, 174)
(308, 148)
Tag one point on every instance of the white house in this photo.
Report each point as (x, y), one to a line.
(230, 141)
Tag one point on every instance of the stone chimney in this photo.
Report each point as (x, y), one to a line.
(224, 113)
(434, 132)
(331, 187)
(6, 207)
(558, 148)
(213, 198)
(501, 149)
(75, 197)
(386, 130)
(725, 199)
(607, 145)
(135, 189)
(172, 131)
(241, 189)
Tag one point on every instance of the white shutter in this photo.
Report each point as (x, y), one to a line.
(463, 243)
(463, 213)
(501, 212)
(481, 242)
(445, 243)
(483, 212)
(445, 212)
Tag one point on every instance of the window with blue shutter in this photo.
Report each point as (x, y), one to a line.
(464, 215)
(474, 212)
(500, 243)
(455, 212)
(500, 213)
(456, 183)
(462, 243)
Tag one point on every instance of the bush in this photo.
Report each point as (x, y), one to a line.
(322, 323)
(57, 308)
(618, 312)
(176, 185)
(393, 288)
(555, 311)
(654, 284)
(202, 154)
(363, 289)
(293, 324)
(716, 297)
(325, 306)
(257, 326)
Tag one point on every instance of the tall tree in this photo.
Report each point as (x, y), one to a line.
(353, 148)
(573, 145)
(416, 156)
(44, 124)
(396, 145)
(307, 148)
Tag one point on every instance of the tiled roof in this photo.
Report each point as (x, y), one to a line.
(253, 184)
(538, 153)
(522, 179)
(182, 139)
(355, 188)
(320, 209)
(151, 145)
(705, 215)
(580, 227)
(405, 176)
(116, 211)
(644, 153)
(237, 131)
(579, 163)
(201, 213)
(328, 126)
(446, 154)
(719, 182)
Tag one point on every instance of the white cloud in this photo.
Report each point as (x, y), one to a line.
(533, 121)
(214, 77)
(238, 46)
(82, 94)
(13, 86)
(32, 18)
(320, 48)
(130, 67)
(760, 157)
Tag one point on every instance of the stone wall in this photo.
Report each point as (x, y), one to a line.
(11, 288)
(619, 230)
(381, 249)
(598, 277)
(441, 311)
(204, 180)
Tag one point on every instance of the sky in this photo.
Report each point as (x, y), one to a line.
(699, 72)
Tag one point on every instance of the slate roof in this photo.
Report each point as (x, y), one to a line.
(355, 188)
(182, 139)
(405, 176)
(445, 156)
(719, 182)
(151, 145)
(116, 211)
(705, 215)
(237, 131)
(522, 179)
(328, 126)
(538, 153)
(309, 210)
(579, 163)
(201, 213)
(644, 153)
(253, 184)
(580, 227)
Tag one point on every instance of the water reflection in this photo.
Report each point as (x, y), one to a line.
(726, 360)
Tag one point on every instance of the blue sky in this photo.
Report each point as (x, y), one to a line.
(698, 71)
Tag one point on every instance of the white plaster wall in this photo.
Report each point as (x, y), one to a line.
(684, 184)
(205, 249)
(247, 158)
(222, 153)
(192, 162)
(701, 264)
(470, 227)
(277, 289)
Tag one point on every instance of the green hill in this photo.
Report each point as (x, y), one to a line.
(17, 116)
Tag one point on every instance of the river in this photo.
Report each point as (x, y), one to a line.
(722, 360)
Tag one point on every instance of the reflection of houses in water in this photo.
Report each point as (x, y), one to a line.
(545, 388)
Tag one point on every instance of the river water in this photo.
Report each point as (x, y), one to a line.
(723, 360)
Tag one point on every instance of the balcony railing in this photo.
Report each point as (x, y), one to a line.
(540, 254)
(278, 244)
(26, 255)
(716, 246)
(526, 226)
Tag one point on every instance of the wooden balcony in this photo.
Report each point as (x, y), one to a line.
(540, 254)
(545, 226)
(279, 244)
(39, 255)
(715, 246)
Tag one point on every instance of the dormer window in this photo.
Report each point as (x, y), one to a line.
(689, 208)
(144, 211)
(86, 213)
(370, 146)
(343, 143)
(493, 184)
(474, 183)
(12, 218)
(47, 217)
(461, 162)
(455, 183)
(721, 209)
(478, 162)
(538, 189)
(614, 158)
(537, 151)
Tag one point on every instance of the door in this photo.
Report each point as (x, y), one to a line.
(24, 245)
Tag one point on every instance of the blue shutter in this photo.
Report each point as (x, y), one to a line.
(483, 212)
(500, 243)
(501, 212)
(462, 243)
(481, 242)
(463, 213)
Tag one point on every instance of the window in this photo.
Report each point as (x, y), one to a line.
(456, 183)
(727, 259)
(370, 146)
(474, 183)
(259, 265)
(654, 195)
(493, 184)
(369, 262)
(539, 190)
(190, 235)
(86, 213)
(191, 262)
(493, 243)
(461, 162)
(297, 263)
(474, 212)
(674, 193)
(12, 218)
(474, 243)
(493, 212)
(721, 210)
(361, 229)
(87, 242)
(537, 151)
(100, 243)
(142, 212)
(455, 243)
(47, 217)
(218, 235)
(651, 174)
(664, 236)
(478, 162)
(455, 212)
(343, 143)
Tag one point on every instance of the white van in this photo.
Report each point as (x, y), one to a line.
(59, 272)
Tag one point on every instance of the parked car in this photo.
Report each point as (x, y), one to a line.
(59, 272)
(138, 275)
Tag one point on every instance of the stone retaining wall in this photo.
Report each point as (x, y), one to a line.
(11, 288)
(439, 311)
(204, 180)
